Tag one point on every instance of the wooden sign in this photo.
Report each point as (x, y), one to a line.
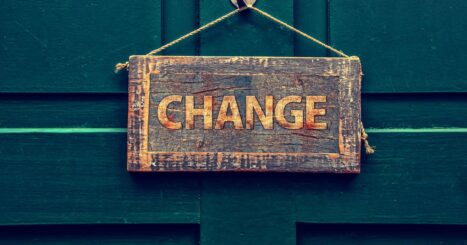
(244, 114)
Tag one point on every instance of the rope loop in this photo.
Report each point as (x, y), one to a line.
(121, 66)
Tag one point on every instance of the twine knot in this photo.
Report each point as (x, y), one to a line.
(368, 148)
(121, 66)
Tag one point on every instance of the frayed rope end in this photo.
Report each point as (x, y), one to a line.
(121, 66)
(368, 148)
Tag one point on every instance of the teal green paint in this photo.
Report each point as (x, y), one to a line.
(416, 130)
(246, 210)
(101, 234)
(61, 130)
(174, 27)
(63, 117)
(87, 172)
(110, 111)
(66, 46)
(370, 234)
(405, 46)
(82, 179)
(310, 16)
(124, 130)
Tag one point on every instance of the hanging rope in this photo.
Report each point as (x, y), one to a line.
(120, 66)
(282, 23)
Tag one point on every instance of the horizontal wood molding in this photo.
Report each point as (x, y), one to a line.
(165, 234)
(380, 234)
(110, 111)
(89, 170)
(82, 179)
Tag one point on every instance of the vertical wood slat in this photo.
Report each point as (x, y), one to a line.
(311, 17)
(247, 33)
(405, 46)
(70, 46)
(178, 18)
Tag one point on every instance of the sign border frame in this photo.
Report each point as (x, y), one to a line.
(347, 160)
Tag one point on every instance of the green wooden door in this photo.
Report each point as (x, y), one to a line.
(63, 117)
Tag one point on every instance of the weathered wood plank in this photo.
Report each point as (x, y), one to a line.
(405, 46)
(288, 142)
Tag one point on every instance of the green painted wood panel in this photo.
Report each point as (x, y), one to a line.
(60, 41)
(82, 179)
(311, 16)
(404, 45)
(232, 210)
(100, 234)
(414, 178)
(178, 18)
(414, 110)
(375, 234)
(63, 110)
(56, 66)
(77, 184)
(241, 208)
(72, 46)
(110, 111)
(248, 33)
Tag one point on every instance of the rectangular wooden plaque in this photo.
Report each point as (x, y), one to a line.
(282, 114)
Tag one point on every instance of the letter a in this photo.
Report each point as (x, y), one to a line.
(222, 118)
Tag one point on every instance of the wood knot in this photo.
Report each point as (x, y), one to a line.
(200, 143)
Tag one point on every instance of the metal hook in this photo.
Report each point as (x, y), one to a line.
(242, 3)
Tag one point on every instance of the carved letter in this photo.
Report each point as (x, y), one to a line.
(311, 112)
(297, 114)
(162, 112)
(253, 105)
(205, 112)
(222, 117)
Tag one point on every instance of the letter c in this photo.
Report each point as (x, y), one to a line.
(162, 112)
